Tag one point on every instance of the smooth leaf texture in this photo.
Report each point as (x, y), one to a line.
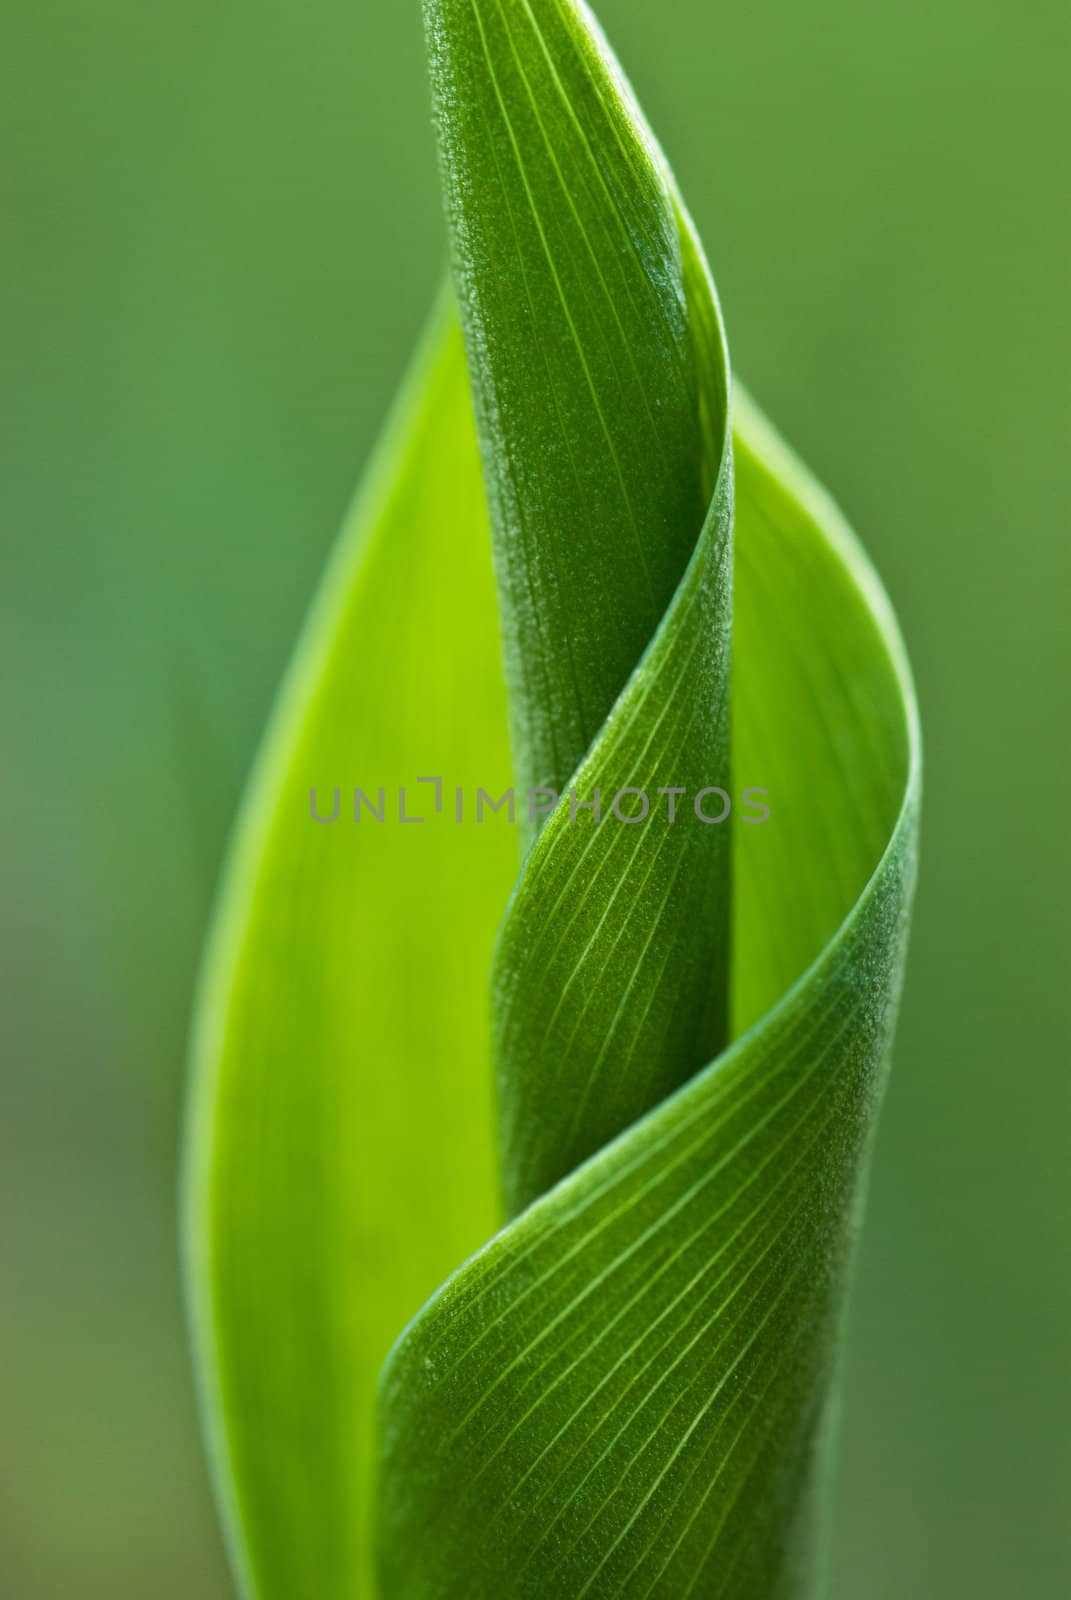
(626, 1392)
(339, 1150)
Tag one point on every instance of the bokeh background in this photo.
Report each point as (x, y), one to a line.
(220, 232)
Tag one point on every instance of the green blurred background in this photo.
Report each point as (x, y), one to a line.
(220, 232)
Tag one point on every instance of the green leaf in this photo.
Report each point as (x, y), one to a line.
(627, 1391)
(339, 1151)
(586, 372)
(592, 333)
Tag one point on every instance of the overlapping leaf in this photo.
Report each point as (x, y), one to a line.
(626, 1391)
(600, 376)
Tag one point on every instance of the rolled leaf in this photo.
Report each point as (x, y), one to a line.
(626, 1390)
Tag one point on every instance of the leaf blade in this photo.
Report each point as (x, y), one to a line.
(322, 1203)
(614, 580)
(571, 281)
(742, 1186)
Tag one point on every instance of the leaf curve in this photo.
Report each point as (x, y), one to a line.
(571, 276)
(593, 332)
(338, 1161)
(626, 1391)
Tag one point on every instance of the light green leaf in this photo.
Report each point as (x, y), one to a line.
(626, 1392)
(339, 1152)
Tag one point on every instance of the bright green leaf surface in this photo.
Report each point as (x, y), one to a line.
(627, 1391)
(340, 1152)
